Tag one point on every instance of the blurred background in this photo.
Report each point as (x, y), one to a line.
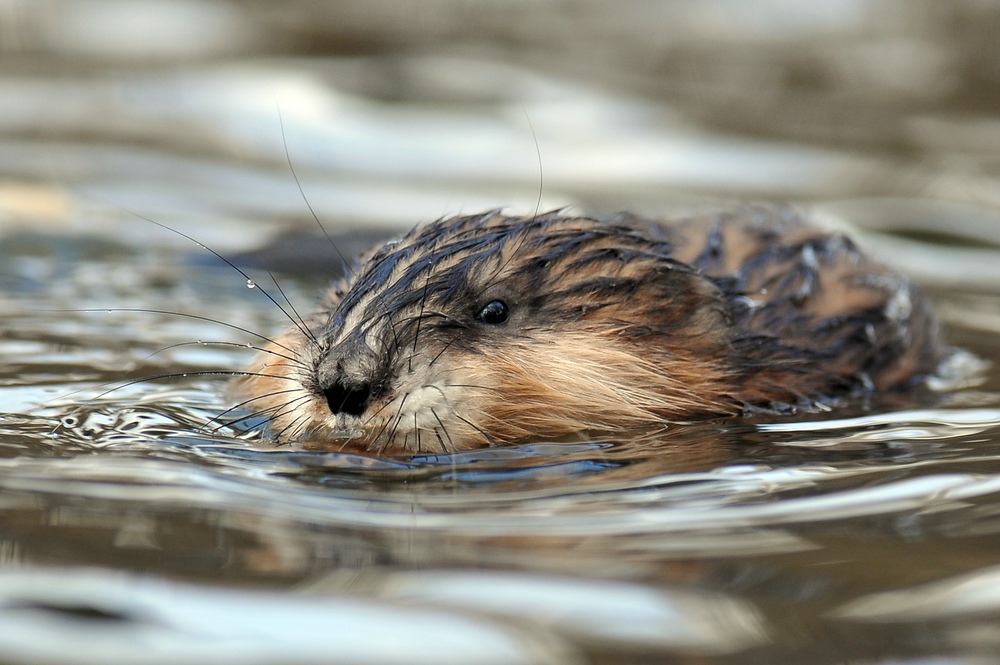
(395, 112)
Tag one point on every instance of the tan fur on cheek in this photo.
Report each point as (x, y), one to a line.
(559, 383)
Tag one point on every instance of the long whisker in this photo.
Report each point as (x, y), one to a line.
(382, 429)
(229, 263)
(255, 398)
(293, 426)
(177, 375)
(301, 322)
(196, 317)
(259, 349)
(438, 419)
(395, 427)
(285, 409)
(443, 429)
(534, 214)
(541, 171)
(416, 429)
(288, 406)
(489, 439)
(305, 199)
(441, 352)
(375, 413)
(260, 412)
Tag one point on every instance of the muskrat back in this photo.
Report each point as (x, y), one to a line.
(487, 329)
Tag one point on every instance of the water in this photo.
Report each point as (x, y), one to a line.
(137, 523)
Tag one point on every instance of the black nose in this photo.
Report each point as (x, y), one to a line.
(349, 399)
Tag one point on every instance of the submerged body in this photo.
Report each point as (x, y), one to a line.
(488, 329)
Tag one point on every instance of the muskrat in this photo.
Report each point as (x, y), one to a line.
(489, 329)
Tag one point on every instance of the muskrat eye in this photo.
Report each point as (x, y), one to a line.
(495, 312)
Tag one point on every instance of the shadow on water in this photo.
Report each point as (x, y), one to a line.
(136, 525)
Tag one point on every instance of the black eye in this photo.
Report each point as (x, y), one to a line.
(495, 312)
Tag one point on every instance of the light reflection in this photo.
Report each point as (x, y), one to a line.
(973, 593)
(92, 616)
(976, 420)
(611, 615)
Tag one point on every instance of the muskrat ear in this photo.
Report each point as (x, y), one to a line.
(494, 313)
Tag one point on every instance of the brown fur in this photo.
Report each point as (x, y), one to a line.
(612, 326)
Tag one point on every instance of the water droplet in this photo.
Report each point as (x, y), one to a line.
(249, 345)
(250, 284)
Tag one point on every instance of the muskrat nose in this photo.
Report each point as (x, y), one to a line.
(349, 399)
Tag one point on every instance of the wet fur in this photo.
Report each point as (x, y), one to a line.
(614, 325)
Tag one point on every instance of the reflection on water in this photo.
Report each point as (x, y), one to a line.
(128, 502)
(115, 618)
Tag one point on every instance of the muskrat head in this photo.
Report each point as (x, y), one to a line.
(481, 330)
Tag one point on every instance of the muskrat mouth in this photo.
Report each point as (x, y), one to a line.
(348, 399)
